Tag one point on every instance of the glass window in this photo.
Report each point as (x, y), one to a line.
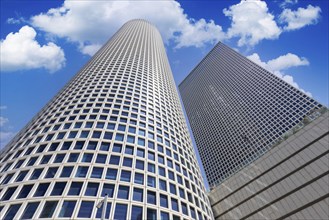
(73, 157)
(48, 209)
(164, 216)
(151, 181)
(86, 209)
(120, 212)
(92, 145)
(151, 197)
(138, 195)
(87, 158)
(139, 164)
(66, 145)
(139, 178)
(172, 188)
(174, 205)
(123, 192)
(82, 172)
(92, 189)
(163, 185)
(136, 213)
(58, 189)
(115, 160)
(11, 212)
(97, 172)
(119, 137)
(151, 144)
(101, 158)
(41, 190)
(117, 148)
(132, 130)
(108, 135)
(162, 171)
(182, 193)
(59, 158)
(21, 176)
(151, 214)
(29, 210)
(107, 212)
(130, 139)
(184, 208)
(105, 146)
(141, 142)
(10, 191)
(67, 209)
(163, 201)
(75, 188)
(31, 161)
(24, 191)
(97, 134)
(151, 156)
(127, 162)
(193, 212)
(171, 175)
(66, 172)
(51, 172)
(140, 152)
(111, 174)
(125, 175)
(108, 189)
(122, 127)
(36, 173)
(45, 159)
(129, 150)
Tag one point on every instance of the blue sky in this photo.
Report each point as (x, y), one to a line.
(44, 43)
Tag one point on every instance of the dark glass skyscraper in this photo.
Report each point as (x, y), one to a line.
(116, 128)
(238, 111)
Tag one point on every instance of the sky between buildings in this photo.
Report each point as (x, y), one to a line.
(44, 43)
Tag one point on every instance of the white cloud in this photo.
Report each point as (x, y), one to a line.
(282, 63)
(2, 107)
(5, 137)
(286, 3)
(105, 17)
(300, 18)
(21, 51)
(252, 22)
(3, 121)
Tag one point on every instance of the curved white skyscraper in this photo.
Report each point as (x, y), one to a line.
(116, 128)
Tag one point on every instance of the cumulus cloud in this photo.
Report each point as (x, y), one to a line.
(105, 17)
(300, 18)
(3, 121)
(21, 51)
(252, 22)
(282, 63)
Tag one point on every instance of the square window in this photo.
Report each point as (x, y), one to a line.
(140, 164)
(151, 167)
(48, 209)
(82, 172)
(111, 174)
(73, 157)
(120, 212)
(104, 146)
(139, 178)
(131, 139)
(138, 195)
(29, 210)
(108, 135)
(136, 213)
(86, 209)
(117, 148)
(162, 184)
(151, 197)
(129, 150)
(67, 209)
(87, 158)
(97, 172)
(127, 162)
(24, 191)
(101, 158)
(151, 181)
(123, 192)
(58, 189)
(92, 189)
(140, 152)
(108, 189)
(125, 176)
(75, 188)
(51, 172)
(66, 171)
(163, 201)
(119, 137)
(115, 160)
(151, 214)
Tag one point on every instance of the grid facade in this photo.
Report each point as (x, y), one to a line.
(244, 110)
(117, 128)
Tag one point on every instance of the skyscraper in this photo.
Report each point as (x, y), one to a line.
(238, 111)
(116, 128)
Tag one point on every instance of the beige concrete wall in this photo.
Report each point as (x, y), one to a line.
(290, 181)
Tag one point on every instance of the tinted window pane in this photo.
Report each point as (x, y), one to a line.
(24, 191)
(138, 195)
(107, 214)
(67, 209)
(92, 189)
(11, 212)
(111, 174)
(86, 209)
(125, 175)
(151, 197)
(10, 191)
(120, 212)
(151, 214)
(30, 210)
(58, 189)
(48, 209)
(41, 190)
(66, 172)
(75, 188)
(123, 192)
(82, 172)
(136, 213)
(97, 172)
(108, 189)
(139, 178)
(36, 173)
(165, 216)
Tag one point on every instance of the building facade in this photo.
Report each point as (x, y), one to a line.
(116, 128)
(243, 109)
(290, 181)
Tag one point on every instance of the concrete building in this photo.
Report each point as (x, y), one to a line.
(116, 128)
(238, 111)
(290, 181)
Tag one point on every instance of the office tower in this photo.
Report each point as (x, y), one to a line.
(238, 111)
(116, 128)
